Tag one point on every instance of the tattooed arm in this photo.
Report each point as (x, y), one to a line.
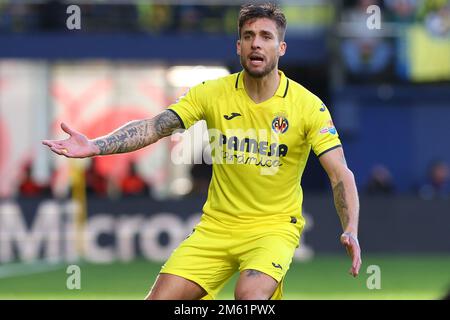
(138, 134)
(346, 202)
(132, 136)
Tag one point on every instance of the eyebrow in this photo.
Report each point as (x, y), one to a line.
(267, 33)
(264, 32)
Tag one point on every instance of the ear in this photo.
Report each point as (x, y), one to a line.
(282, 48)
(238, 47)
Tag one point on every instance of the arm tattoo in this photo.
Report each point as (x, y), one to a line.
(138, 134)
(166, 123)
(341, 203)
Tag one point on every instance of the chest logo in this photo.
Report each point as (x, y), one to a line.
(280, 124)
(233, 115)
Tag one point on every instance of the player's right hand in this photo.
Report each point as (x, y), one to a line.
(76, 145)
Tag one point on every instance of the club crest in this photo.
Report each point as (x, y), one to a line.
(280, 124)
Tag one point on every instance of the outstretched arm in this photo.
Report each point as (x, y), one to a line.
(346, 202)
(130, 137)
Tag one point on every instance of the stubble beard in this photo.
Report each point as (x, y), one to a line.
(259, 74)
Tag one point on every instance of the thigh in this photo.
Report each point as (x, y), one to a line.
(255, 285)
(172, 287)
(203, 259)
(270, 252)
(271, 255)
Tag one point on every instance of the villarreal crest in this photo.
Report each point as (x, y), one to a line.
(280, 124)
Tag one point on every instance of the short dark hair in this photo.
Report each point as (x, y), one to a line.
(266, 10)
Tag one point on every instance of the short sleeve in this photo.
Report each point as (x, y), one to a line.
(321, 133)
(191, 107)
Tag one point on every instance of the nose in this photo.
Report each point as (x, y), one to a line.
(256, 43)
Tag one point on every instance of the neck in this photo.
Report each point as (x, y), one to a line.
(261, 89)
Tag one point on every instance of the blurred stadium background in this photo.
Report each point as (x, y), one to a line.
(119, 217)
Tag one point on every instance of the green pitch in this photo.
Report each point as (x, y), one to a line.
(325, 277)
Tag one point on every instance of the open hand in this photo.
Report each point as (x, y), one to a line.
(76, 146)
(351, 244)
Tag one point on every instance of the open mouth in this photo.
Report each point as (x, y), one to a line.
(256, 59)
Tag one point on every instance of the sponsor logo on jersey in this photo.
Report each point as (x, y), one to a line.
(277, 265)
(254, 146)
(329, 128)
(233, 115)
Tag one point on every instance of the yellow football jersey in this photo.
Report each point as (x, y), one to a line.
(259, 150)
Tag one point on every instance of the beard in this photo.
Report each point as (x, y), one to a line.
(258, 74)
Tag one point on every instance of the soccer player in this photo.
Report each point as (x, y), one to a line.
(263, 126)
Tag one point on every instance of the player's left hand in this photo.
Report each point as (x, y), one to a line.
(351, 244)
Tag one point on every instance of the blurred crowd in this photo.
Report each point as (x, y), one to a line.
(372, 53)
(95, 184)
(381, 182)
(366, 54)
(160, 16)
(98, 185)
(435, 185)
(137, 16)
(434, 14)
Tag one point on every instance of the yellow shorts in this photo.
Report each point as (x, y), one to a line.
(212, 254)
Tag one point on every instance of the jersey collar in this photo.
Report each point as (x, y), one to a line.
(282, 88)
